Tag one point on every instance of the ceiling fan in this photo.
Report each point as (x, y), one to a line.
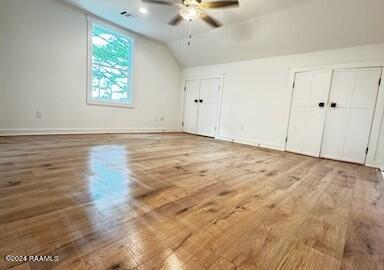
(191, 10)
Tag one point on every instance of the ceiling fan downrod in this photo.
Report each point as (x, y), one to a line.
(189, 33)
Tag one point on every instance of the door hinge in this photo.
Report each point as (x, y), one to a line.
(185, 88)
(286, 139)
(380, 82)
(182, 124)
(366, 150)
(294, 83)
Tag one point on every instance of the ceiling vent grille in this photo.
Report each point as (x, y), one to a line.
(128, 15)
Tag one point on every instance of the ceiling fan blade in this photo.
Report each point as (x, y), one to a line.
(220, 4)
(211, 21)
(159, 2)
(176, 20)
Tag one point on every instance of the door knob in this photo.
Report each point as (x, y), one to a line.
(321, 104)
(196, 101)
(333, 105)
(201, 101)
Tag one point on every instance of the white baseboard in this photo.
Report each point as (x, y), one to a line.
(62, 131)
(266, 145)
(375, 165)
(281, 148)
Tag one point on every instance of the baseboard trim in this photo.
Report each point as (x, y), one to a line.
(64, 131)
(252, 143)
(280, 148)
(376, 165)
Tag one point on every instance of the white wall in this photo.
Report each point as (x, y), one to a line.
(43, 56)
(256, 94)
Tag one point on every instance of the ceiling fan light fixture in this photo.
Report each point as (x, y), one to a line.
(190, 13)
(143, 10)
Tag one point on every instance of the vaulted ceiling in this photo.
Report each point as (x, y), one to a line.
(258, 28)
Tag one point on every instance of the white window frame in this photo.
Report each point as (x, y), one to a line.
(91, 101)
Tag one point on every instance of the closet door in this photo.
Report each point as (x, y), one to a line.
(191, 105)
(350, 113)
(310, 96)
(208, 106)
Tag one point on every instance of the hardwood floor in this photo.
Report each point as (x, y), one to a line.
(177, 201)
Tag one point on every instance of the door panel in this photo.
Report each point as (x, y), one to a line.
(334, 136)
(358, 131)
(208, 106)
(348, 124)
(191, 106)
(307, 117)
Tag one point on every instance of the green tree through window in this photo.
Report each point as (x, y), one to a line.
(111, 66)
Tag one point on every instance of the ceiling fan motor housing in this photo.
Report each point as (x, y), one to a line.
(191, 2)
(190, 12)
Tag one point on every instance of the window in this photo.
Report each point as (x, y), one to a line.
(109, 66)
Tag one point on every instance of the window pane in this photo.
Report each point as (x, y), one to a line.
(111, 58)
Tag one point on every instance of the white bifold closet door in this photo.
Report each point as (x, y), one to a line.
(191, 107)
(208, 105)
(350, 113)
(201, 106)
(310, 96)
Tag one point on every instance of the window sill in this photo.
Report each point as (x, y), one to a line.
(111, 104)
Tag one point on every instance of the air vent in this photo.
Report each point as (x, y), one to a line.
(128, 15)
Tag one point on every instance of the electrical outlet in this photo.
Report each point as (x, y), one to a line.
(39, 114)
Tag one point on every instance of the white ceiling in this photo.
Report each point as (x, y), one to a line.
(258, 28)
(155, 23)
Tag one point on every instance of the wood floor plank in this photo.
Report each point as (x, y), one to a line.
(178, 201)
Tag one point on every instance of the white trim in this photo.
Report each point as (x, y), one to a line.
(363, 64)
(377, 127)
(109, 104)
(374, 165)
(58, 131)
(261, 144)
(126, 34)
(204, 77)
(220, 106)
